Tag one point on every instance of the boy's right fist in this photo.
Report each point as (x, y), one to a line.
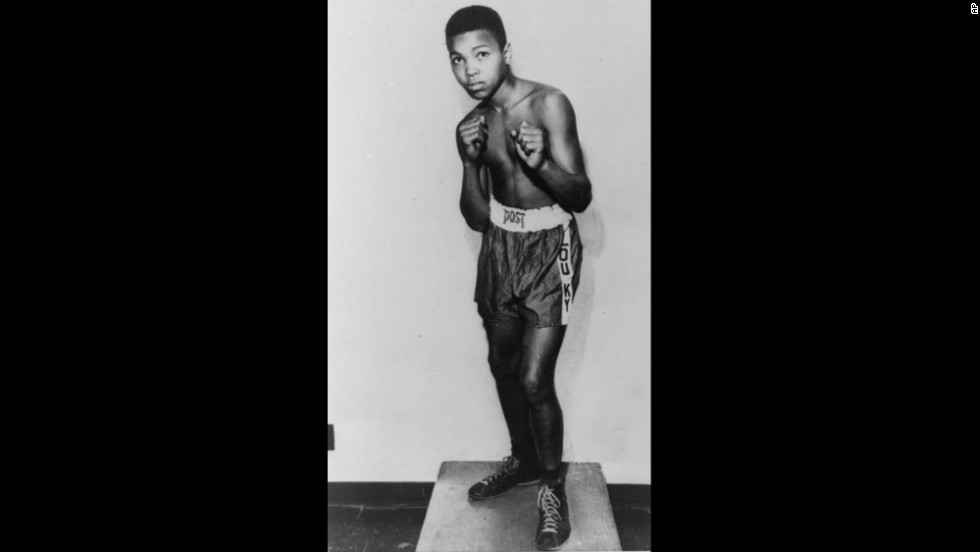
(471, 139)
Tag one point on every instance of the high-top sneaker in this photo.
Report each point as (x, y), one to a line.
(514, 472)
(553, 524)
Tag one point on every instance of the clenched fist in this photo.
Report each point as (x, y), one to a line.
(471, 139)
(531, 144)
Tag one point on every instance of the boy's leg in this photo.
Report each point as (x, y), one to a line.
(521, 468)
(540, 353)
(541, 346)
(505, 364)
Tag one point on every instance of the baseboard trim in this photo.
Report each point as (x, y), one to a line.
(417, 495)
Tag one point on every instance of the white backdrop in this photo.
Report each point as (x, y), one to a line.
(408, 382)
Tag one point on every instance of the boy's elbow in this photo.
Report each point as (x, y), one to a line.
(585, 199)
(478, 226)
(475, 222)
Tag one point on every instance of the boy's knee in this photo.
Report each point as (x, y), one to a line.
(502, 363)
(497, 366)
(536, 391)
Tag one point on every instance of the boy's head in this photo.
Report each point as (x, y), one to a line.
(478, 50)
(476, 18)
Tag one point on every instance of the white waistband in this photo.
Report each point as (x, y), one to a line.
(527, 220)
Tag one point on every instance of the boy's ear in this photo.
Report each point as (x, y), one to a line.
(507, 53)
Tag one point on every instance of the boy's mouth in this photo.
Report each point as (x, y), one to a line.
(475, 85)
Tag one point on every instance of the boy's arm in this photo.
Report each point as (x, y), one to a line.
(474, 200)
(560, 163)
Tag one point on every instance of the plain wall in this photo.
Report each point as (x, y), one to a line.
(408, 381)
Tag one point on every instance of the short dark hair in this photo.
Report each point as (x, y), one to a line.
(476, 18)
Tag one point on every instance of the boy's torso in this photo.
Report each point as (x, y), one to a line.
(513, 183)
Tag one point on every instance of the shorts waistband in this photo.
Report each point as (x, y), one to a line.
(527, 220)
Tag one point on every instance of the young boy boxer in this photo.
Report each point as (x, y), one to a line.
(523, 176)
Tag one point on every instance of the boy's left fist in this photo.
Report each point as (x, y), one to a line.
(531, 144)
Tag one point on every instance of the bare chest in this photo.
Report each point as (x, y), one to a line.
(500, 153)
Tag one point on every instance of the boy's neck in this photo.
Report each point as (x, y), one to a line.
(508, 93)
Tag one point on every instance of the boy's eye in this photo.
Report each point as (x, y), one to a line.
(456, 60)
(482, 54)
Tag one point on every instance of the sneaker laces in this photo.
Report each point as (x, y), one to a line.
(510, 466)
(548, 503)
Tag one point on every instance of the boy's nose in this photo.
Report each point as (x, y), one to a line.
(470, 71)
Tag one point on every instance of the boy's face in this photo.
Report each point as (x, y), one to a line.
(478, 62)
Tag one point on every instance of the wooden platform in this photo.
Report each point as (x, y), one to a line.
(508, 522)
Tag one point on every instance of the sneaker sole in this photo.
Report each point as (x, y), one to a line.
(550, 549)
(480, 499)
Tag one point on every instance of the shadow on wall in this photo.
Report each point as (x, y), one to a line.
(572, 355)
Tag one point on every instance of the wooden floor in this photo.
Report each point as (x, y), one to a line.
(508, 523)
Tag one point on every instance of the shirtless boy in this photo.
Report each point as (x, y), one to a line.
(523, 176)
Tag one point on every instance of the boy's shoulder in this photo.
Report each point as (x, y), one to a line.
(540, 92)
(544, 97)
(540, 89)
(549, 103)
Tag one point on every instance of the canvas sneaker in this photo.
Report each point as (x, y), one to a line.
(514, 473)
(553, 525)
